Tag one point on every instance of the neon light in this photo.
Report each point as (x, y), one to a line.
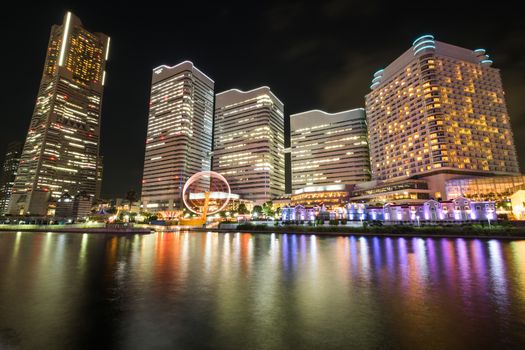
(379, 72)
(326, 113)
(107, 48)
(430, 42)
(487, 61)
(423, 48)
(64, 39)
(190, 62)
(247, 92)
(423, 37)
(103, 77)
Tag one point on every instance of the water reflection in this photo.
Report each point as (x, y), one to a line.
(224, 291)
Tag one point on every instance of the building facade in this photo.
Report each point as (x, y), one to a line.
(329, 148)
(61, 150)
(439, 111)
(249, 143)
(330, 196)
(381, 192)
(8, 173)
(496, 188)
(179, 136)
(458, 210)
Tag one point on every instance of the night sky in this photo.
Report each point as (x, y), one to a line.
(320, 55)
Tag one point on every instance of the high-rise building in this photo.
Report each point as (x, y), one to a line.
(61, 150)
(8, 173)
(438, 111)
(329, 148)
(249, 143)
(179, 137)
(100, 174)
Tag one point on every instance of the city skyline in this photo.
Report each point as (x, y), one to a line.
(300, 89)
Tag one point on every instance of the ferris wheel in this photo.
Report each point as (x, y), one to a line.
(206, 193)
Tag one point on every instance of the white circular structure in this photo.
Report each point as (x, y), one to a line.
(206, 192)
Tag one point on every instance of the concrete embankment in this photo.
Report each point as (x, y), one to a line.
(416, 234)
(76, 229)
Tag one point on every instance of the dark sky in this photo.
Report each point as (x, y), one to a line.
(316, 55)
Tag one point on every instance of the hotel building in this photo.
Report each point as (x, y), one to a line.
(61, 150)
(438, 112)
(249, 143)
(179, 136)
(8, 173)
(329, 148)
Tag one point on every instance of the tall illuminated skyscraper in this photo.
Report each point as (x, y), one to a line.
(328, 148)
(438, 112)
(8, 173)
(62, 147)
(249, 143)
(179, 136)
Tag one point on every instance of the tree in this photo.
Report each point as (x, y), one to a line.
(131, 197)
(257, 210)
(111, 210)
(242, 209)
(267, 209)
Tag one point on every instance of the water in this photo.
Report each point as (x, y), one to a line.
(244, 291)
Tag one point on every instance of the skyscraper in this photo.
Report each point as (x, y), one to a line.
(8, 173)
(329, 148)
(438, 111)
(62, 146)
(179, 136)
(249, 143)
(100, 174)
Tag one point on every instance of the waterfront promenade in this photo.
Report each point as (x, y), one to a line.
(78, 228)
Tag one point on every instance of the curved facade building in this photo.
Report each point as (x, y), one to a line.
(329, 148)
(249, 143)
(439, 111)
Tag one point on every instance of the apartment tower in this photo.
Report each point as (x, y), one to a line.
(179, 136)
(249, 143)
(61, 150)
(438, 112)
(329, 148)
